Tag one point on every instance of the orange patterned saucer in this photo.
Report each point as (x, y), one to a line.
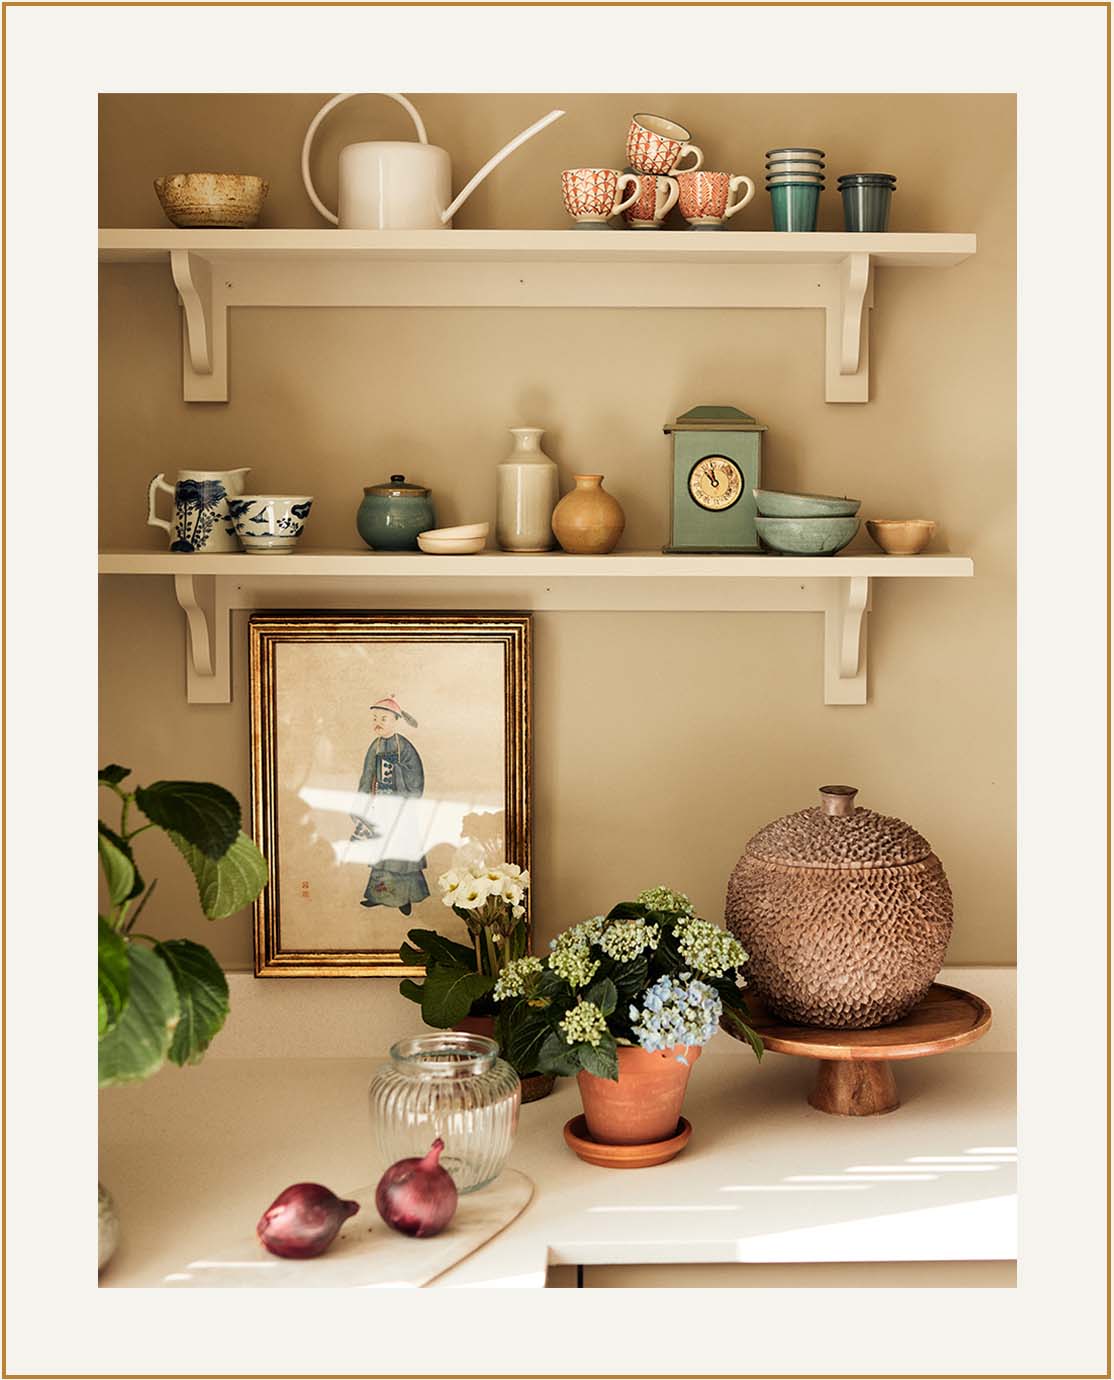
(624, 1156)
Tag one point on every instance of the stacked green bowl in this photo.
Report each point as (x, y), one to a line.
(805, 524)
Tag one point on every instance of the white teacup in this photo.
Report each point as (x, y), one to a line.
(269, 522)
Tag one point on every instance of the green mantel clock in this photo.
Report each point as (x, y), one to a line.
(717, 465)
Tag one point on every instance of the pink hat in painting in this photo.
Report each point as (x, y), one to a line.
(389, 703)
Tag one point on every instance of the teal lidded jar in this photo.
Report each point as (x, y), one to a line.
(392, 514)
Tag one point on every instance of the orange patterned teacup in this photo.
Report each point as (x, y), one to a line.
(592, 195)
(657, 145)
(656, 198)
(704, 197)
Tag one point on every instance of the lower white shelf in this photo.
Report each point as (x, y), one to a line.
(209, 587)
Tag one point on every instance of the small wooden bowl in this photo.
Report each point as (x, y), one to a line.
(215, 201)
(901, 536)
(624, 1156)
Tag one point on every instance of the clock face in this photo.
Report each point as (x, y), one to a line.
(716, 483)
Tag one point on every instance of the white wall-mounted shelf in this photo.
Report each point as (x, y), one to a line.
(214, 270)
(209, 587)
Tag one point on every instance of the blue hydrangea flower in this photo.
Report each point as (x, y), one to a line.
(679, 1010)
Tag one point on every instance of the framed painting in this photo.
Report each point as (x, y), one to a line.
(387, 748)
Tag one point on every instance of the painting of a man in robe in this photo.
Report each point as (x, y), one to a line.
(392, 776)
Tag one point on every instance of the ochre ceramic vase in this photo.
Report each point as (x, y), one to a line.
(845, 914)
(645, 1104)
(588, 521)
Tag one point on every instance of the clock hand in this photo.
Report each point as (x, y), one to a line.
(712, 477)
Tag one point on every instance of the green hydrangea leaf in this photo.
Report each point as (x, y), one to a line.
(410, 990)
(112, 775)
(555, 1055)
(119, 873)
(604, 994)
(529, 1028)
(206, 816)
(112, 976)
(202, 997)
(735, 1025)
(601, 1060)
(137, 1044)
(226, 884)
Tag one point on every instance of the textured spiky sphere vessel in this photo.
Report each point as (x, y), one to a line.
(845, 913)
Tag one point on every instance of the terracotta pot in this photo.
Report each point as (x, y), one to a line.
(588, 521)
(477, 1025)
(645, 1104)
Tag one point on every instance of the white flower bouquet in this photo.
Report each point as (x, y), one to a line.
(461, 980)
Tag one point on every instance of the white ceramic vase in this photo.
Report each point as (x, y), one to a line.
(526, 494)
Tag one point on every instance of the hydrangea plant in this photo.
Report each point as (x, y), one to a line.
(650, 973)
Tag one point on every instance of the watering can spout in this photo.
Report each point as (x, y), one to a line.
(492, 163)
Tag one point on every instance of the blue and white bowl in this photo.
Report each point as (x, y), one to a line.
(269, 522)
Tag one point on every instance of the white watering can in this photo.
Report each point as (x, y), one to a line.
(389, 185)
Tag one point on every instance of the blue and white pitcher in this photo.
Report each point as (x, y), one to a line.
(201, 519)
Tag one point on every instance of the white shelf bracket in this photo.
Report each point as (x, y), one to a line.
(845, 621)
(854, 279)
(204, 600)
(848, 352)
(204, 328)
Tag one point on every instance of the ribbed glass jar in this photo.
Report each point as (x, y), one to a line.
(452, 1085)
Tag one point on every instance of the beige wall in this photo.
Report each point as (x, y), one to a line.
(627, 793)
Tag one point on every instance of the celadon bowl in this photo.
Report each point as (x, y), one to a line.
(807, 536)
(773, 504)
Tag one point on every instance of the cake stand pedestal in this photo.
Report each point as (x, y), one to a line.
(854, 1075)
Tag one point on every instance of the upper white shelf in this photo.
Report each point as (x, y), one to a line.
(539, 246)
(217, 269)
(209, 587)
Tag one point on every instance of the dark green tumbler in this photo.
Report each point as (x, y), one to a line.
(794, 205)
(866, 201)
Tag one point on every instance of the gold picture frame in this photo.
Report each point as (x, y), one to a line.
(386, 748)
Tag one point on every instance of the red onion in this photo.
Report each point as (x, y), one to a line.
(416, 1196)
(303, 1220)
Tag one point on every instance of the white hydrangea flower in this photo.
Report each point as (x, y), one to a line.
(514, 979)
(623, 940)
(707, 947)
(585, 1023)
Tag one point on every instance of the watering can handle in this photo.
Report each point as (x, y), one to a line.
(307, 143)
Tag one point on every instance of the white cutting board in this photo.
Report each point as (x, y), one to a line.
(367, 1254)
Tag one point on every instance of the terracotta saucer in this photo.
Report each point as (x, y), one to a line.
(624, 1156)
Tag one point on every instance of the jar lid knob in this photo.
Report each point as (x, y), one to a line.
(398, 479)
(838, 800)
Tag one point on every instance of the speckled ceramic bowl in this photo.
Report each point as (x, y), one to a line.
(771, 503)
(807, 536)
(215, 201)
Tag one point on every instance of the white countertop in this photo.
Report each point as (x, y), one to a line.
(193, 1157)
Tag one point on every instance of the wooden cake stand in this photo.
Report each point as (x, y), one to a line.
(854, 1067)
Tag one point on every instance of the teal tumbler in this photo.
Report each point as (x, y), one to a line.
(794, 205)
(866, 201)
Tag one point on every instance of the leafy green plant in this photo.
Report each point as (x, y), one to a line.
(165, 999)
(650, 973)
